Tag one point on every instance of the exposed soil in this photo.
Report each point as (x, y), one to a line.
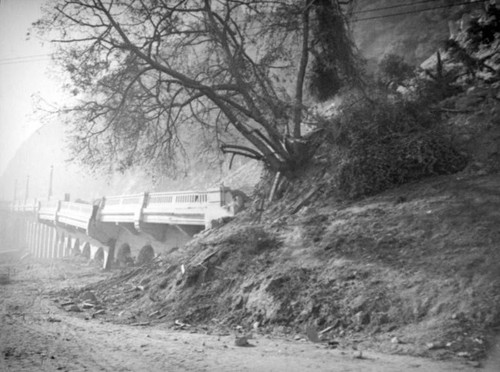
(414, 271)
(38, 333)
(420, 263)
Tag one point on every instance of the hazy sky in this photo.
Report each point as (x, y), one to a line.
(23, 73)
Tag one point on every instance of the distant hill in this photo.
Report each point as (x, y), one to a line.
(46, 148)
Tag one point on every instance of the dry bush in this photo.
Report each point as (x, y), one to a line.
(388, 142)
(393, 69)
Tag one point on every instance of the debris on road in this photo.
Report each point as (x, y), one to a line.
(312, 334)
(242, 341)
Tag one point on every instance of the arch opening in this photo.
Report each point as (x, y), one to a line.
(146, 254)
(99, 255)
(86, 250)
(124, 255)
(76, 248)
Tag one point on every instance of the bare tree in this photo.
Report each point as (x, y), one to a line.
(149, 75)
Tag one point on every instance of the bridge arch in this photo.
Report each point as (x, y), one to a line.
(124, 255)
(86, 250)
(99, 254)
(76, 248)
(146, 254)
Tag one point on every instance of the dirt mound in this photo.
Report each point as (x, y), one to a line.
(414, 270)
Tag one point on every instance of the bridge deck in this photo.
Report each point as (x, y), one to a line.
(177, 208)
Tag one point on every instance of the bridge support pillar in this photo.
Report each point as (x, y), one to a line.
(62, 246)
(41, 242)
(67, 246)
(21, 238)
(109, 255)
(59, 245)
(41, 239)
(24, 232)
(93, 251)
(28, 235)
(52, 243)
(16, 232)
(47, 241)
(34, 226)
(32, 238)
(45, 245)
(38, 240)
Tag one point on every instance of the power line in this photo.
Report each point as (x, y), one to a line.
(418, 11)
(42, 57)
(25, 59)
(394, 6)
(27, 56)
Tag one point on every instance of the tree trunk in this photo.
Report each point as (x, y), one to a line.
(297, 118)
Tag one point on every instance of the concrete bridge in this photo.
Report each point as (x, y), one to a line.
(121, 229)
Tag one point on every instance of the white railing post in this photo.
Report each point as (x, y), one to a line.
(60, 245)
(219, 204)
(44, 241)
(138, 212)
(56, 212)
(52, 243)
(38, 249)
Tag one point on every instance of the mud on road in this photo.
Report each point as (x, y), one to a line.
(37, 334)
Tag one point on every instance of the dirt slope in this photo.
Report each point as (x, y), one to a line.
(37, 334)
(415, 270)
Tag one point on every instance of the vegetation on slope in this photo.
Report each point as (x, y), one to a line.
(411, 269)
(419, 263)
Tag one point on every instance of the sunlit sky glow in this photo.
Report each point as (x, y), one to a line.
(24, 65)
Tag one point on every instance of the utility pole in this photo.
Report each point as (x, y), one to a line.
(50, 181)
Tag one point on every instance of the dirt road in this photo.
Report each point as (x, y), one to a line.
(37, 335)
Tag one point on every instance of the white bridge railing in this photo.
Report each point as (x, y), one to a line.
(182, 208)
(174, 208)
(123, 208)
(47, 210)
(76, 214)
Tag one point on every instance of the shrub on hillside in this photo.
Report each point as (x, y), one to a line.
(390, 142)
(393, 69)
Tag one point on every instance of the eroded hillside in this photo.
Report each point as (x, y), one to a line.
(414, 270)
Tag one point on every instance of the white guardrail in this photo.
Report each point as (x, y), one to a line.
(188, 207)
(76, 214)
(122, 208)
(47, 210)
